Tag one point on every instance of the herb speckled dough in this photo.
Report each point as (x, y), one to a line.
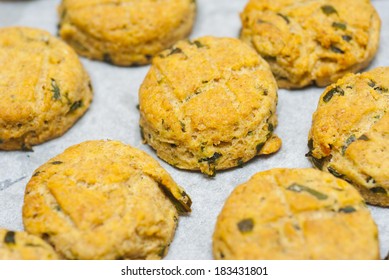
(209, 105)
(315, 41)
(24, 246)
(104, 200)
(44, 88)
(349, 136)
(295, 214)
(125, 32)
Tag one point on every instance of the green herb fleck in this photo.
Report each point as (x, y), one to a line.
(347, 38)
(137, 107)
(380, 90)
(328, 96)
(36, 174)
(334, 172)
(55, 89)
(58, 208)
(363, 137)
(347, 209)
(378, 190)
(349, 140)
(175, 51)
(336, 49)
(182, 126)
(56, 162)
(246, 225)
(198, 44)
(370, 180)
(211, 159)
(161, 251)
(328, 9)
(142, 135)
(240, 162)
(250, 133)
(339, 25)
(270, 127)
(107, 58)
(284, 17)
(260, 146)
(299, 188)
(76, 105)
(9, 237)
(371, 83)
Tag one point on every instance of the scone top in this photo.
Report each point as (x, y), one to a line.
(208, 104)
(349, 134)
(309, 42)
(44, 88)
(125, 32)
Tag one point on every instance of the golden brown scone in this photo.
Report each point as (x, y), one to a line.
(125, 32)
(24, 246)
(350, 133)
(44, 88)
(209, 105)
(104, 200)
(295, 214)
(315, 41)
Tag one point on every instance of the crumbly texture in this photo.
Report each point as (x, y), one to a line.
(349, 136)
(209, 104)
(24, 246)
(295, 214)
(44, 88)
(125, 32)
(104, 200)
(315, 41)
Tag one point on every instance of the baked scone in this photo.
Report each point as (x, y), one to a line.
(125, 32)
(209, 104)
(295, 214)
(44, 88)
(315, 41)
(350, 133)
(104, 200)
(24, 246)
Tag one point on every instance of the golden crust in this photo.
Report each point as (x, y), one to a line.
(349, 135)
(312, 41)
(209, 104)
(104, 200)
(125, 32)
(295, 214)
(24, 246)
(44, 88)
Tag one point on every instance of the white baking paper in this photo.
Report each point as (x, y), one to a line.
(113, 115)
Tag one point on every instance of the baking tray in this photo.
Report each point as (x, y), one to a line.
(113, 115)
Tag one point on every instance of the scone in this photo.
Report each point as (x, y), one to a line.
(350, 133)
(209, 104)
(125, 32)
(315, 41)
(295, 214)
(44, 88)
(24, 246)
(104, 200)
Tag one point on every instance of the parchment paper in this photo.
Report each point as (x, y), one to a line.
(113, 115)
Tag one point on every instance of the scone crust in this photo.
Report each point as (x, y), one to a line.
(23, 246)
(44, 88)
(104, 200)
(349, 135)
(125, 32)
(295, 214)
(309, 42)
(209, 104)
